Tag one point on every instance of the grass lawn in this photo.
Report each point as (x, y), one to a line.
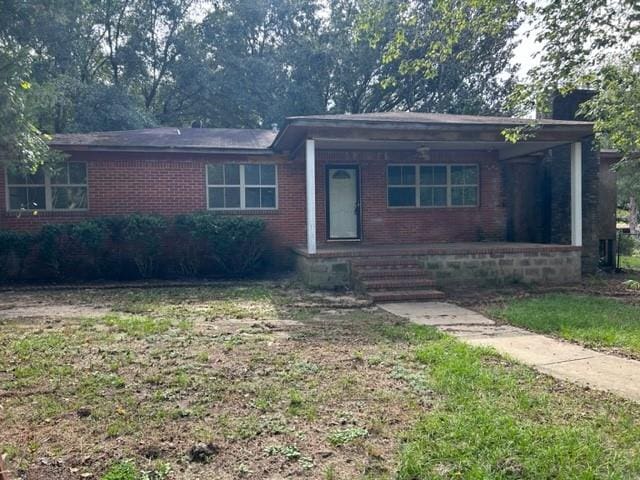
(593, 321)
(267, 381)
(630, 262)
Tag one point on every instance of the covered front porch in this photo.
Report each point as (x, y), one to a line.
(445, 194)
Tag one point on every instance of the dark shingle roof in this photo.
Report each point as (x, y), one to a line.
(248, 141)
(170, 138)
(433, 118)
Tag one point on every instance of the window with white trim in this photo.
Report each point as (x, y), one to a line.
(432, 185)
(233, 186)
(62, 188)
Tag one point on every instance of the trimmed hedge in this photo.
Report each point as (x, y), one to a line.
(135, 246)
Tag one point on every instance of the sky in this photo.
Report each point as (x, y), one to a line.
(525, 51)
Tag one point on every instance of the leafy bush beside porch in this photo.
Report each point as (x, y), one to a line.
(136, 246)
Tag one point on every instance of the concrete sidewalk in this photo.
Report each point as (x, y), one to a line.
(559, 359)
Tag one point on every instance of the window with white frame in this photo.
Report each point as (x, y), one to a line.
(62, 188)
(432, 185)
(242, 186)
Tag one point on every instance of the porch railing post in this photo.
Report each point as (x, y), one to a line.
(576, 194)
(310, 156)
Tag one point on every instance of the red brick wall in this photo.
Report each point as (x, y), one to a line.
(168, 184)
(384, 225)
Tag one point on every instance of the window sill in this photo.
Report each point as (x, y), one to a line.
(45, 213)
(271, 211)
(419, 209)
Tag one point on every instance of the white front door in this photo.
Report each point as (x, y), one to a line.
(343, 205)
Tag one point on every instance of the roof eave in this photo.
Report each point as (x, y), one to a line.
(161, 149)
(580, 129)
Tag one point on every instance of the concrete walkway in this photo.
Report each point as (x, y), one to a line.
(559, 359)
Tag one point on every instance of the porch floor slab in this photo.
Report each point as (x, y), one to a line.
(357, 249)
(559, 359)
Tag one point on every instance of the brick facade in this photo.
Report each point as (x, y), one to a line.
(175, 183)
(384, 225)
(168, 184)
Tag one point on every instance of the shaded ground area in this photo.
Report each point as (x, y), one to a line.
(266, 380)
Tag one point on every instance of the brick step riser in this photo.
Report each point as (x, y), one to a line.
(389, 266)
(381, 275)
(404, 285)
(399, 297)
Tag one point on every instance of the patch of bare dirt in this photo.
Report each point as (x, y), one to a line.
(249, 384)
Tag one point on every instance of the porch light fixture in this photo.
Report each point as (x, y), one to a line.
(424, 152)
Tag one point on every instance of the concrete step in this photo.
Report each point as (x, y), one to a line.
(405, 295)
(400, 283)
(381, 273)
(384, 263)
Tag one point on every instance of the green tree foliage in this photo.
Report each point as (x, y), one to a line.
(122, 64)
(595, 44)
(21, 143)
(591, 44)
(452, 56)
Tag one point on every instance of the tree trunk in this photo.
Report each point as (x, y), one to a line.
(633, 215)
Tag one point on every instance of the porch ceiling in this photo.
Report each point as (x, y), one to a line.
(505, 150)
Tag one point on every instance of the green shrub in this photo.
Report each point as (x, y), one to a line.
(14, 249)
(143, 237)
(135, 246)
(235, 245)
(627, 244)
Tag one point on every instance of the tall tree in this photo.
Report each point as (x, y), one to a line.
(593, 44)
(453, 56)
(22, 145)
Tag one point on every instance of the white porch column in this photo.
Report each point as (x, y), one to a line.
(310, 156)
(576, 194)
